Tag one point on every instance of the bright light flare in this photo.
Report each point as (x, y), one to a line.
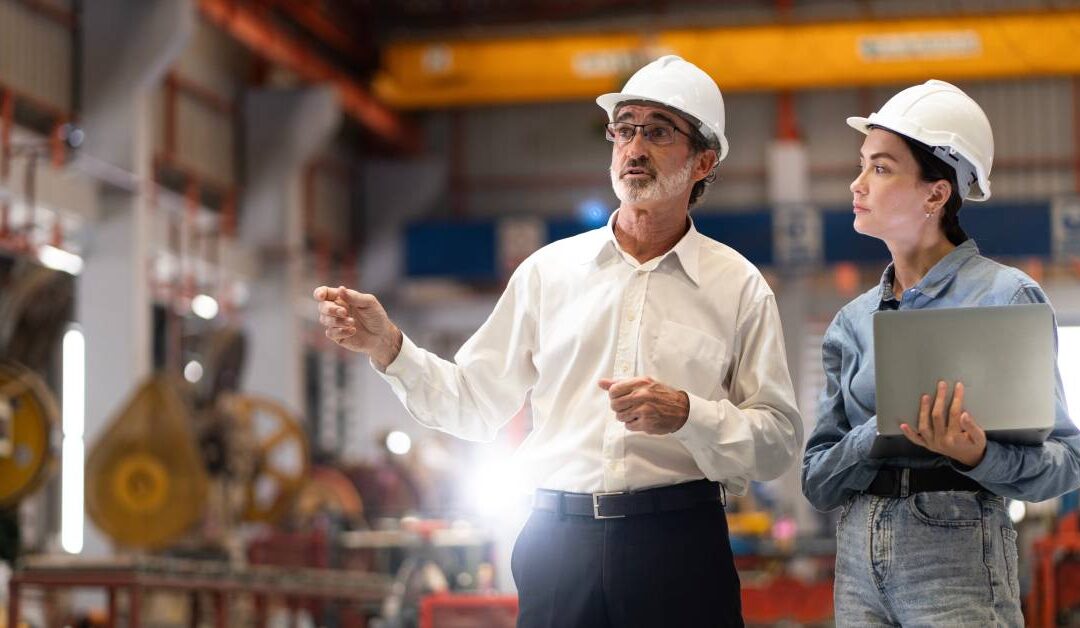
(193, 371)
(204, 306)
(398, 443)
(1017, 511)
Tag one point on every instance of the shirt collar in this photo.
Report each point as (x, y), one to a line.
(940, 275)
(686, 250)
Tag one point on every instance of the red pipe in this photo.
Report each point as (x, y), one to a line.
(7, 121)
(56, 239)
(255, 31)
(170, 117)
(323, 28)
(61, 16)
(57, 150)
(786, 121)
(228, 214)
(308, 202)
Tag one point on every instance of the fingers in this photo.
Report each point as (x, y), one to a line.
(605, 383)
(974, 431)
(334, 322)
(626, 386)
(924, 414)
(956, 408)
(344, 297)
(329, 308)
(357, 299)
(913, 436)
(937, 413)
(337, 334)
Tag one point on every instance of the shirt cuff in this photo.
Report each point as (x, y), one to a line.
(990, 469)
(702, 423)
(405, 366)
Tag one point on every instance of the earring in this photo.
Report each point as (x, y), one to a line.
(929, 214)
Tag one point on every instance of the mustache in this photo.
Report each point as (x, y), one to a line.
(641, 163)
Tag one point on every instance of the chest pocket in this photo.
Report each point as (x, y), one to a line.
(689, 359)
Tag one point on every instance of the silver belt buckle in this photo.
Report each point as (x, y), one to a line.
(596, 505)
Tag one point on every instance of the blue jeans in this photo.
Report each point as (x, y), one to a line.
(929, 559)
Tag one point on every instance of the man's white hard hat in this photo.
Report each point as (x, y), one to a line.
(941, 116)
(680, 85)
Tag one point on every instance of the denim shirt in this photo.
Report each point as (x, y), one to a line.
(837, 464)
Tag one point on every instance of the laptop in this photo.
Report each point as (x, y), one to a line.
(1004, 356)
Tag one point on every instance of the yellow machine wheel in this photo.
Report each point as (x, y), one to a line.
(280, 451)
(27, 416)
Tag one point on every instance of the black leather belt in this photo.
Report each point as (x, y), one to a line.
(630, 503)
(901, 482)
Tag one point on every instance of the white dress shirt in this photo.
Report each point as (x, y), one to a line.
(699, 318)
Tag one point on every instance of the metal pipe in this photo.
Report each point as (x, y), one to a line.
(57, 148)
(30, 197)
(60, 15)
(254, 30)
(169, 151)
(787, 127)
(7, 121)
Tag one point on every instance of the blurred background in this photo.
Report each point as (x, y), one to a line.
(179, 443)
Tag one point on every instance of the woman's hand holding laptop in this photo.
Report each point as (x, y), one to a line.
(955, 435)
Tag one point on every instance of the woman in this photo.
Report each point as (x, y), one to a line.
(925, 541)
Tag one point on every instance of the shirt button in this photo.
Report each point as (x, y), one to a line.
(630, 317)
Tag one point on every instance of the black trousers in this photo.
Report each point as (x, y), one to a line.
(666, 570)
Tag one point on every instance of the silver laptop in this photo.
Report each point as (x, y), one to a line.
(1004, 355)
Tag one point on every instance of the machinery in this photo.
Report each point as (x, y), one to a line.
(35, 306)
(27, 417)
(178, 455)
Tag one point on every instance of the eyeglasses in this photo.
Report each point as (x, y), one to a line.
(657, 133)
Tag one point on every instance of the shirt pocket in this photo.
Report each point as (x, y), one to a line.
(688, 359)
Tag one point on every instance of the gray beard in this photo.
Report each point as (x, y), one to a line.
(657, 189)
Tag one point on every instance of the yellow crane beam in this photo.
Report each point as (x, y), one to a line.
(435, 74)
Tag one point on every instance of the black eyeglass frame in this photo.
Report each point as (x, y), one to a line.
(609, 132)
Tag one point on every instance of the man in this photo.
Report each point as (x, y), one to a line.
(656, 364)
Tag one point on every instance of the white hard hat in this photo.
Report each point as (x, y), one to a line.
(680, 85)
(947, 120)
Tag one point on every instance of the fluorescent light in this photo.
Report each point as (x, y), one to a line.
(59, 259)
(193, 371)
(73, 393)
(398, 443)
(71, 496)
(74, 383)
(1069, 365)
(204, 306)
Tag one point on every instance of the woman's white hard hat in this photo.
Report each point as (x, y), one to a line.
(941, 116)
(677, 84)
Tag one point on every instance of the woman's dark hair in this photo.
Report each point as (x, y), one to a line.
(932, 169)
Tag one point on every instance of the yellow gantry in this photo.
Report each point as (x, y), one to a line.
(435, 74)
